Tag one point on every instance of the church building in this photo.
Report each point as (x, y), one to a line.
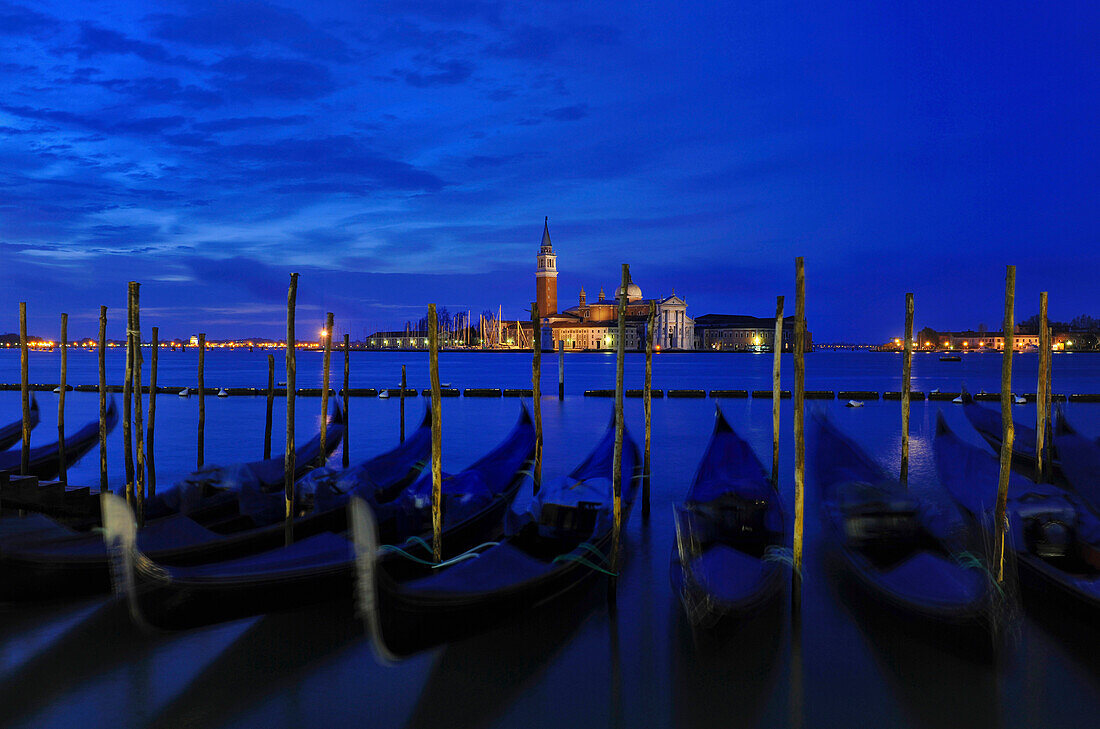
(593, 325)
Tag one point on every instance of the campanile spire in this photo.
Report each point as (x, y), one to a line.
(546, 276)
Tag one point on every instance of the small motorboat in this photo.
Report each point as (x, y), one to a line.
(185, 392)
(223, 393)
(383, 394)
(854, 404)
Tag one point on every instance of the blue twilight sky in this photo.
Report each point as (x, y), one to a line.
(404, 151)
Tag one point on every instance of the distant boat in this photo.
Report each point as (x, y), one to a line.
(1020, 399)
(959, 400)
(383, 394)
(280, 384)
(223, 393)
(185, 392)
(444, 384)
(854, 404)
(936, 391)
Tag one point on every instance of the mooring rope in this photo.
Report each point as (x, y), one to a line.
(468, 554)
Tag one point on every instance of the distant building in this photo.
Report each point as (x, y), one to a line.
(594, 325)
(741, 333)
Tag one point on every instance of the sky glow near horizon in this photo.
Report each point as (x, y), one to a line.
(397, 153)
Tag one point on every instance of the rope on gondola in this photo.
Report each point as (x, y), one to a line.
(783, 555)
(469, 554)
(581, 559)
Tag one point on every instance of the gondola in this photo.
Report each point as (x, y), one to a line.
(321, 566)
(45, 461)
(1079, 459)
(1055, 538)
(13, 433)
(989, 425)
(50, 559)
(900, 549)
(555, 541)
(729, 533)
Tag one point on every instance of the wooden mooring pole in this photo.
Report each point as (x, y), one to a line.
(327, 333)
(1042, 392)
(62, 474)
(1008, 431)
(799, 426)
(647, 405)
(151, 466)
(777, 352)
(24, 391)
(906, 388)
(536, 389)
(291, 392)
(128, 398)
(139, 461)
(270, 404)
(402, 435)
(437, 433)
(202, 399)
(617, 456)
(347, 372)
(104, 487)
(561, 369)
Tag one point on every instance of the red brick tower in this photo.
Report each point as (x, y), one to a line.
(546, 279)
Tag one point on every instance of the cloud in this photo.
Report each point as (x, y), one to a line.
(17, 20)
(250, 122)
(246, 24)
(153, 90)
(276, 78)
(447, 73)
(95, 40)
(104, 123)
(568, 113)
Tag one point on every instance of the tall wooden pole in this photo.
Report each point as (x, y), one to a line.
(324, 389)
(202, 399)
(347, 372)
(151, 465)
(437, 434)
(561, 369)
(1042, 391)
(24, 390)
(1008, 431)
(104, 487)
(291, 393)
(402, 436)
(128, 397)
(536, 389)
(906, 388)
(270, 404)
(617, 457)
(61, 466)
(647, 405)
(777, 352)
(799, 422)
(139, 473)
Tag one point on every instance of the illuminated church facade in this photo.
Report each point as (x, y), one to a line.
(593, 325)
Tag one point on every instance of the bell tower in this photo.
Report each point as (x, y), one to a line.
(546, 278)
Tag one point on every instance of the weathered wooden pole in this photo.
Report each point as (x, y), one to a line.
(150, 462)
(561, 369)
(906, 388)
(270, 404)
(202, 399)
(327, 333)
(1041, 391)
(24, 390)
(617, 457)
(402, 436)
(799, 424)
(128, 397)
(1008, 431)
(536, 389)
(291, 393)
(139, 461)
(61, 466)
(104, 487)
(777, 352)
(347, 372)
(647, 405)
(437, 433)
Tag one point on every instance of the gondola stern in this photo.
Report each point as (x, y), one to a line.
(120, 538)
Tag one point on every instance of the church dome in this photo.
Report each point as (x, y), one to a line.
(633, 292)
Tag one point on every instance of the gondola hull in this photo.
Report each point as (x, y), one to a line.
(12, 433)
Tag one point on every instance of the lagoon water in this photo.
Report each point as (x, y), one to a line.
(575, 664)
